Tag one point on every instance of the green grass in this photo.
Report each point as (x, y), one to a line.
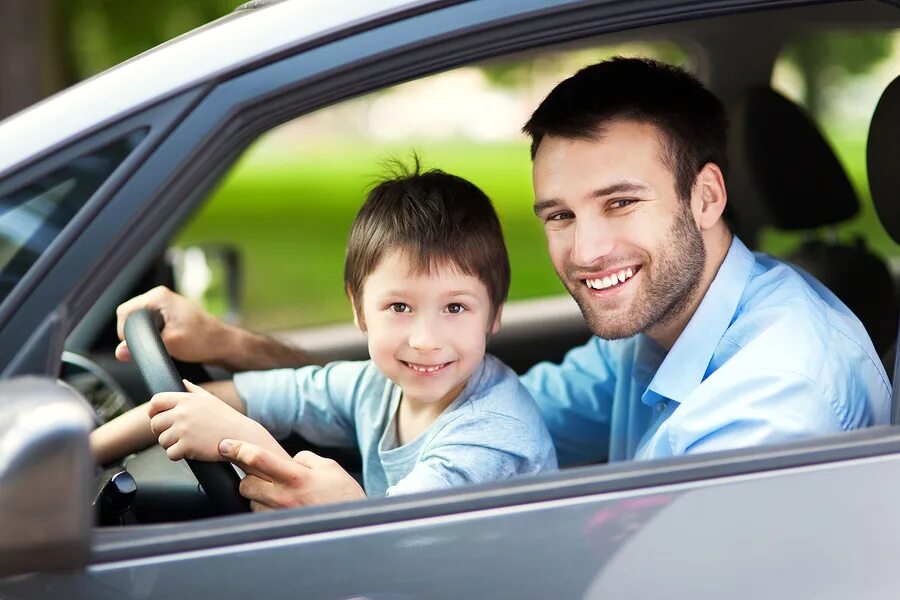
(289, 213)
(290, 220)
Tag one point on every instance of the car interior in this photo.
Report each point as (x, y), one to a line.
(784, 176)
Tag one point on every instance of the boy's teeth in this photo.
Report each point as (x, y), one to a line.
(423, 368)
(610, 280)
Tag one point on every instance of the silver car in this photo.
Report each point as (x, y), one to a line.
(95, 181)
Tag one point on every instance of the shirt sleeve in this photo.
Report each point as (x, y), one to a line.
(760, 406)
(488, 447)
(315, 402)
(575, 399)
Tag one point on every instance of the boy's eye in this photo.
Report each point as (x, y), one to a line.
(400, 307)
(455, 308)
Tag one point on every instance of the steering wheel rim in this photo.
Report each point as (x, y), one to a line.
(218, 480)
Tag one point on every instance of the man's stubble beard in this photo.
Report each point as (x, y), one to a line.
(667, 292)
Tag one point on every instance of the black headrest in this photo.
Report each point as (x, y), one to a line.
(882, 160)
(796, 174)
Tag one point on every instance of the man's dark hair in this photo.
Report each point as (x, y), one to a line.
(437, 219)
(691, 119)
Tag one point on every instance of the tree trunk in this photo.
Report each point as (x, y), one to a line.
(23, 54)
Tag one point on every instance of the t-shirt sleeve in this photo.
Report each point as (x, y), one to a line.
(315, 402)
(575, 399)
(477, 449)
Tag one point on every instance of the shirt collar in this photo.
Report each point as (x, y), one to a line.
(685, 365)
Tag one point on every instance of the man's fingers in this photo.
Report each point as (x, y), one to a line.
(260, 462)
(259, 507)
(152, 299)
(309, 459)
(122, 352)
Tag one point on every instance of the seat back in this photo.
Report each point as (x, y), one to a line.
(801, 186)
(884, 183)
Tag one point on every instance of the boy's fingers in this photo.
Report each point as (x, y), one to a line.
(162, 402)
(192, 387)
(257, 461)
(161, 422)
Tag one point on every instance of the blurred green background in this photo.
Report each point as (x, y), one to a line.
(288, 202)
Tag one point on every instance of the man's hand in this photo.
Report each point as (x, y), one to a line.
(190, 333)
(191, 424)
(278, 482)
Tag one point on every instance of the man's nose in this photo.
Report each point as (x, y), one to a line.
(424, 335)
(593, 240)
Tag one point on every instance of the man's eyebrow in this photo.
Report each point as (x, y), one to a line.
(540, 205)
(621, 187)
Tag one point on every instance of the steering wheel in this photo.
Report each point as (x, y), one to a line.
(219, 480)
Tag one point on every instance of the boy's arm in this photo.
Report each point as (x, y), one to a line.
(131, 431)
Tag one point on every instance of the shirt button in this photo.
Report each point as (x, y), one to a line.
(660, 406)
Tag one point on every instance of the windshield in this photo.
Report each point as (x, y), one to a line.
(34, 215)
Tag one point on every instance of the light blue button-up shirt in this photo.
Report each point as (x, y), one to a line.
(770, 355)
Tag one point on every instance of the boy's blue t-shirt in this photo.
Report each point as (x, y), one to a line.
(492, 431)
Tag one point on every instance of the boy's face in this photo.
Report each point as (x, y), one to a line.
(426, 333)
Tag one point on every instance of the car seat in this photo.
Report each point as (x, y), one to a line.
(801, 186)
(884, 184)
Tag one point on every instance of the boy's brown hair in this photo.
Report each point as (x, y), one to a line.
(438, 220)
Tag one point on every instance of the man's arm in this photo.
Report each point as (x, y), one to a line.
(575, 398)
(192, 334)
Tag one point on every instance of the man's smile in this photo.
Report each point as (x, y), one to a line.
(612, 279)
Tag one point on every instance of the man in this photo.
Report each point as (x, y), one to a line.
(700, 345)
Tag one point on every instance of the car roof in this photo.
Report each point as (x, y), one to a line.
(263, 30)
(266, 29)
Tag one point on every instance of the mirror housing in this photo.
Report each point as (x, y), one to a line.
(210, 275)
(46, 470)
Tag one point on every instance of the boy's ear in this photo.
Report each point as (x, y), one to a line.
(495, 327)
(358, 320)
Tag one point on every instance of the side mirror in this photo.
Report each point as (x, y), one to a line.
(46, 473)
(211, 276)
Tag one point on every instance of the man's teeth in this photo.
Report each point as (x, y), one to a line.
(610, 280)
(425, 368)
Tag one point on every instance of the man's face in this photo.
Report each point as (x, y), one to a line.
(623, 243)
(427, 333)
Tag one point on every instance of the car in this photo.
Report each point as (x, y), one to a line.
(96, 181)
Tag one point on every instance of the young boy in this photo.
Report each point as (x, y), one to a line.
(427, 274)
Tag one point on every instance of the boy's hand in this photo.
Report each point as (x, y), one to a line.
(190, 424)
(278, 482)
(190, 333)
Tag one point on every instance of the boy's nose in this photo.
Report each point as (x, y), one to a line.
(423, 336)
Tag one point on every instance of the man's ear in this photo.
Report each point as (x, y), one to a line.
(358, 319)
(495, 327)
(708, 196)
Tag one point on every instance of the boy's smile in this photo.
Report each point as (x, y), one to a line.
(427, 332)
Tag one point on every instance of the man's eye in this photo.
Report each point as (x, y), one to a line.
(560, 216)
(455, 308)
(623, 203)
(400, 307)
